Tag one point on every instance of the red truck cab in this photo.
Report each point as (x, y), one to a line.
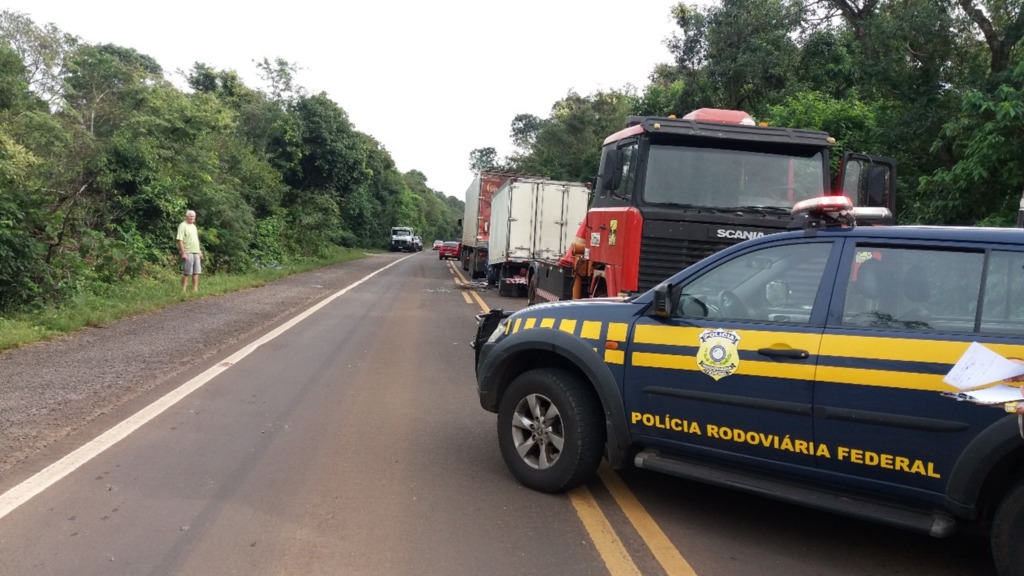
(672, 191)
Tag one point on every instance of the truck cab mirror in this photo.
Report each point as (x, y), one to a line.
(877, 187)
(610, 178)
(869, 181)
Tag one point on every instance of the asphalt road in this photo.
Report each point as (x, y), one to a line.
(351, 442)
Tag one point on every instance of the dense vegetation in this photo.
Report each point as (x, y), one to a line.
(101, 155)
(937, 85)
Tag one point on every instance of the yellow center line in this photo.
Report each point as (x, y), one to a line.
(461, 281)
(667, 555)
(607, 542)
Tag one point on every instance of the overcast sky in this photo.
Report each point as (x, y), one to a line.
(431, 81)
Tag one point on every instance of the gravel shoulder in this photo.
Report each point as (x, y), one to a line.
(51, 390)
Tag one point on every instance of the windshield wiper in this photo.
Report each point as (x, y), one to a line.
(699, 208)
(765, 209)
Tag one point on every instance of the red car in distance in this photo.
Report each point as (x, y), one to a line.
(448, 250)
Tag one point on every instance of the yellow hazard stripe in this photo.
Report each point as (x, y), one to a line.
(749, 339)
(900, 349)
(615, 356)
(587, 329)
(829, 350)
(567, 325)
(883, 378)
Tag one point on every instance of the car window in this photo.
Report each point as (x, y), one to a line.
(913, 289)
(775, 284)
(1003, 305)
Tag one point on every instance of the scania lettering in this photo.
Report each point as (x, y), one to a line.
(739, 234)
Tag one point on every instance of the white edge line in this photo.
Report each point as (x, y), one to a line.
(48, 476)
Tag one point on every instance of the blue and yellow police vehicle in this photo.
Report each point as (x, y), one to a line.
(808, 365)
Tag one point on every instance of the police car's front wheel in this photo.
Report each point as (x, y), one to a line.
(550, 430)
(1008, 533)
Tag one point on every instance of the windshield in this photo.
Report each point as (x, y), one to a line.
(723, 178)
(400, 232)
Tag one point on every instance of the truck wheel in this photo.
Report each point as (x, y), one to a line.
(1008, 533)
(550, 430)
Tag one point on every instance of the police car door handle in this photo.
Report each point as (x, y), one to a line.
(784, 353)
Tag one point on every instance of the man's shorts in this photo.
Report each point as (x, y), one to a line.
(191, 264)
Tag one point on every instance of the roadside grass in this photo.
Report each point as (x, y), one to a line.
(140, 295)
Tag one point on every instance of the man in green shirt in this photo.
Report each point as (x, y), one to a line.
(191, 253)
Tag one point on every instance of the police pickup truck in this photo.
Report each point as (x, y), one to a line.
(807, 366)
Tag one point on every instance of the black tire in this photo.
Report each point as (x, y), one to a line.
(550, 430)
(1008, 533)
(504, 288)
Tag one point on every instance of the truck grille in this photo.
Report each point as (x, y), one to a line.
(663, 257)
(666, 247)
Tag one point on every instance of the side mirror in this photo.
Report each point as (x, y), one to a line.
(870, 181)
(664, 306)
(878, 186)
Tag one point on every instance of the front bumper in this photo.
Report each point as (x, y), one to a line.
(482, 345)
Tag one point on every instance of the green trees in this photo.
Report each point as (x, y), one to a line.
(935, 85)
(21, 279)
(986, 183)
(100, 156)
(567, 144)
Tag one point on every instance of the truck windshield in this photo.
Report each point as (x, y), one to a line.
(728, 178)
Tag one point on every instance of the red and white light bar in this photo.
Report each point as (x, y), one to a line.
(823, 205)
(841, 208)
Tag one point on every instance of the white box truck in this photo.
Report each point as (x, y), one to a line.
(532, 220)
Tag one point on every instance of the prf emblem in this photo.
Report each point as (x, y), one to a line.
(718, 356)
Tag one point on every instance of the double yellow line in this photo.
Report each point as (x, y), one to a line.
(468, 295)
(607, 542)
